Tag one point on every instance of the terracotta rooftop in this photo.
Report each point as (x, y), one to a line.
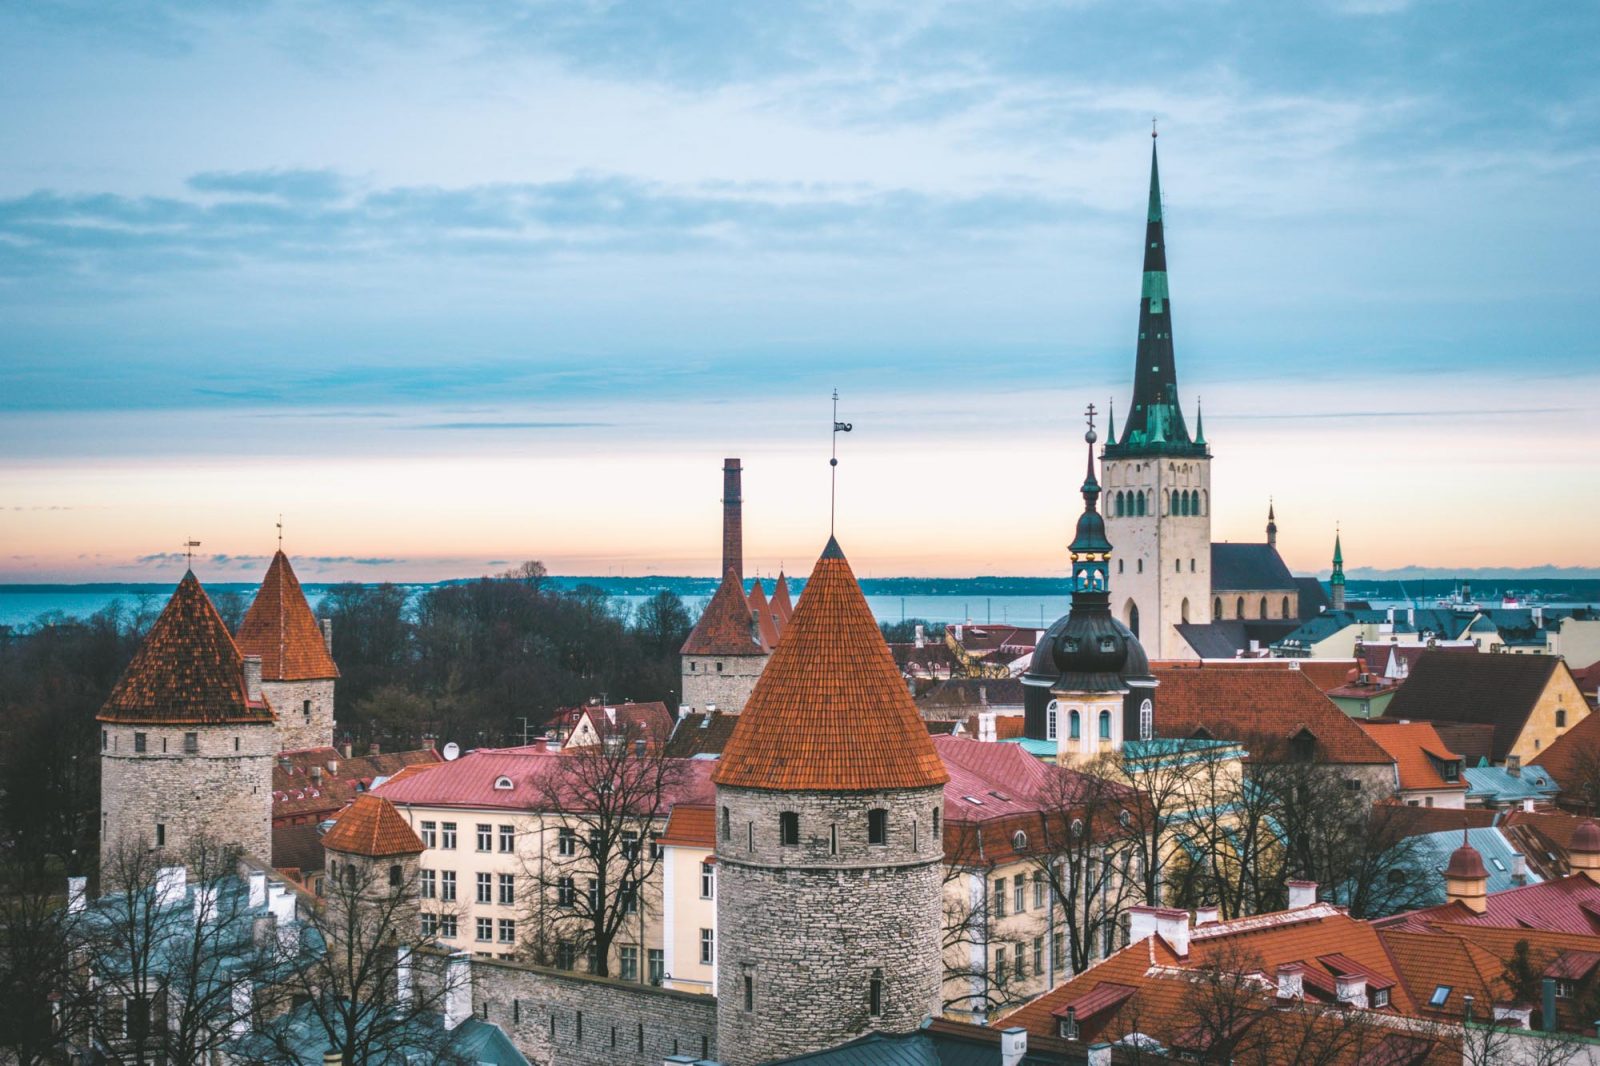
(725, 626)
(281, 629)
(830, 711)
(781, 602)
(691, 825)
(1265, 709)
(522, 779)
(701, 733)
(1326, 674)
(651, 722)
(315, 781)
(371, 826)
(1417, 750)
(1565, 905)
(764, 614)
(188, 671)
(1498, 690)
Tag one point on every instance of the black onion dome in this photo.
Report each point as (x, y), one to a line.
(1090, 535)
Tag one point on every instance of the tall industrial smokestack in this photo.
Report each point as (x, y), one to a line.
(732, 520)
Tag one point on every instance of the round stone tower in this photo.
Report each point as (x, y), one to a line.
(187, 739)
(297, 670)
(829, 843)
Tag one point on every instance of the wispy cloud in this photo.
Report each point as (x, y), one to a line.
(492, 426)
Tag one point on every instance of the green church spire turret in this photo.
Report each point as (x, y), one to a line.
(1336, 582)
(1155, 425)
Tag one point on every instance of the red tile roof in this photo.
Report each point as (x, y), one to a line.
(651, 722)
(781, 601)
(532, 776)
(1264, 709)
(691, 825)
(830, 711)
(188, 671)
(701, 733)
(281, 629)
(1573, 753)
(1498, 690)
(1326, 674)
(763, 614)
(315, 781)
(1411, 744)
(1566, 905)
(372, 827)
(725, 626)
(1414, 821)
(1427, 959)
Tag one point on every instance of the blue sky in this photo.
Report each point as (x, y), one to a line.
(519, 265)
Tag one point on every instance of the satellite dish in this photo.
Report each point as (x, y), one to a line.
(452, 751)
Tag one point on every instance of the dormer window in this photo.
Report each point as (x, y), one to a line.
(503, 783)
(1019, 841)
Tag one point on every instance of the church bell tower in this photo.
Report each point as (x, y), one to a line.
(1158, 476)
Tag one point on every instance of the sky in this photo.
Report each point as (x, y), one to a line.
(453, 286)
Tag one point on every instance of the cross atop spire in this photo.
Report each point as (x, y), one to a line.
(1155, 424)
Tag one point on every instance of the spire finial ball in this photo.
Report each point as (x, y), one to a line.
(1091, 436)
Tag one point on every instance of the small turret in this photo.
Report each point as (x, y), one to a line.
(1583, 853)
(1336, 582)
(1466, 879)
(1272, 526)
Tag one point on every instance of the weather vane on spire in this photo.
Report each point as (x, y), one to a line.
(833, 462)
(188, 550)
(1152, 127)
(280, 532)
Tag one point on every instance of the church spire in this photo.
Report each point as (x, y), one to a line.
(1091, 552)
(1155, 424)
(1336, 582)
(1272, 524)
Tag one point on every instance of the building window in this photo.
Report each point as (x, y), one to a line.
(447, 885)
(1105, 725)
(140, 742)
(1380, 997)
(1038, 888)
(566, 892)
(428, 885)
(305, 708)
(430, 834)
(1050, 720)
(485, 929)
(508, 930)
(485, 837)
(749, 992)
(875, 994)
(1119, 566)
(1138, 565)
(656, 959)
(430, 925)
(1564, 989)
(485, 888)
(508, 838)
(1019, 894)
(628, 962)
(105, 739)
(508, 889)
(999, 897)
(877, 826)
(447, 926)
(566, 842)
(191, 743)
(1238, 608)
(719, 667)
(1074, 725)
(161, 835)
(727, 825)
(708, 947)
(630, 897)
(566, 959)
(833, 839)
(1038, 956)
(235, 743)
(1000, 966)
(1147, 720)
(395, 876)
(447, 835)
(1561, 718)
(1263, 607)
(1177, 566)
(750, 836)
(1285, 613)
(1216, 609)
(1019, 961)
(1191, 565)
(789, 828)
(708, 881)
(936, 821)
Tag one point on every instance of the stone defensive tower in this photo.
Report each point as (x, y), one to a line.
(829, 840)
(187, 738)
(1158, 477)
(297, 669)
(729, 646)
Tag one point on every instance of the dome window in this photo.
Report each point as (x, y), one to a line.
(1107, 644)
(1019, 841)
(1077, 827)
(503, 783)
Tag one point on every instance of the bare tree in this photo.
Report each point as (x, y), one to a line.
(357, 964)
(36, 935)
(969, 932)
(608, 803)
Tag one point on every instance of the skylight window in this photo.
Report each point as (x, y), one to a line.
(974, 800)
(1440, 994)
(1498, 865)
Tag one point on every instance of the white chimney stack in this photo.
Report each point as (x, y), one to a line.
(172, 884)
(1169, 923)
(986, 729)
(258, 889)
(1013, 1045)
(327, 634)
(77, 894)
(1519, 868)
(922, 637)
(252, 678)
(402, 975)
(205, 904)
(1351, 988)
(457, 989)
(1302, 894)
(1291, 980)
(1207, 916)
(243, 996)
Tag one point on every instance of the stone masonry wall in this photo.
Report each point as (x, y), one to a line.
(558, 1018)
(728, 688)
(298, 730)
(225, 790)
(812, 927)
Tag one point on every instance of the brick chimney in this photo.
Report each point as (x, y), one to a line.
(252, 678)
(1302, 894)
(732, 519)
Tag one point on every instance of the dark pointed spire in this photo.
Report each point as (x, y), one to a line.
(1091, 552)
(1155, 423)
(1272, 524)
(1199, 424)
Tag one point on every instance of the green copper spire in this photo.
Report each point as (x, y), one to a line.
(1199, 424)
(1111, 421)
(1155, 424)
(1338, 562)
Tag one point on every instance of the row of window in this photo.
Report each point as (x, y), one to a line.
(1147, 722)
(1238, 608)
(1018, 968)
(694, 667)
(627, 962)
(567, 894)
(1180, 502)
(443, 835)
(1019, 894)
(441, 885)
(789, 830)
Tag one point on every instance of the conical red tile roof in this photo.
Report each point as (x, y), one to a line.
(281, 629)
(830, 711)
(781, 602)
(371, 826)
(724, 628)
(187, 671)
(763, 612)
